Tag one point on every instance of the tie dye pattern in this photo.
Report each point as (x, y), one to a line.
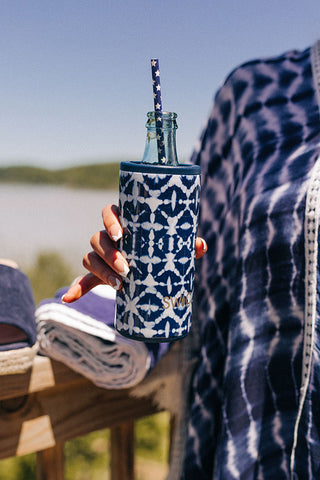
(254, 401)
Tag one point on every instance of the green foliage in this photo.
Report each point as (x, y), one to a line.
(18, 468)
(88, 458)
(49, 273)
(152, 437)
(26, 174)
(102, 175)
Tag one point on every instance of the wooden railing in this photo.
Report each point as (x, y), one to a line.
(50, 404)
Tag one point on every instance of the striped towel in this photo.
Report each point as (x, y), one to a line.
(82, 336)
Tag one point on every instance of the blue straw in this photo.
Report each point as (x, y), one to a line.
(158, 110)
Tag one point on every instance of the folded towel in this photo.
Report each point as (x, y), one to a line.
(82, 336)
(17, 312)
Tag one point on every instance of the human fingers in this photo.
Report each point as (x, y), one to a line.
(111, 221)
(105, 263)
(201, 247)
(106, 250)
(80, 287)
(103, 274)
(100, 273)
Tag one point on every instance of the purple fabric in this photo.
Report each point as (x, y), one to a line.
(97, 307)
(17, 306)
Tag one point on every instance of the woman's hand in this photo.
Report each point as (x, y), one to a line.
(105, 263)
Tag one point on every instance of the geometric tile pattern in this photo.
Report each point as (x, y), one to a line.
(159, 214)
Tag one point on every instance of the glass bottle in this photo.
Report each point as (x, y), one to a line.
(159, 204)
(169, 127)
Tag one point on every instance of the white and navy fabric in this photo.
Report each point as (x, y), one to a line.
(254, 406)
(159, 208)
(82, 336)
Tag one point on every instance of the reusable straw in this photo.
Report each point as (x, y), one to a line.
(158, 110)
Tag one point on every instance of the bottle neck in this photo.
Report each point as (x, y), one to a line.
(168, 136)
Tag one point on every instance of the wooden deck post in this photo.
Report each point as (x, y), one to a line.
(51, 404)
(50, 463)
(122, 451)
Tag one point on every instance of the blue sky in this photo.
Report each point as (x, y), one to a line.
(76, 77)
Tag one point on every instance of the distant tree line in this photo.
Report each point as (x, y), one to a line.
(99, 176)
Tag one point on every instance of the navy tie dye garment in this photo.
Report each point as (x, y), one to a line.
(254, 407)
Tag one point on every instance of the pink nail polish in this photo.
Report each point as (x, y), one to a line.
(115, 233)
(125, 271)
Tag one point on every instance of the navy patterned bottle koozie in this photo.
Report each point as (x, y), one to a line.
(159, 210)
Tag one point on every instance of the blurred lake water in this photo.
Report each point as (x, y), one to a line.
(38, 218)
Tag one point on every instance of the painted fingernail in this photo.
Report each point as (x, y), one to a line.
(204, 245)
(74, 293)
(115, 233)
(120, 265)
(114, 282)
(125, 270)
